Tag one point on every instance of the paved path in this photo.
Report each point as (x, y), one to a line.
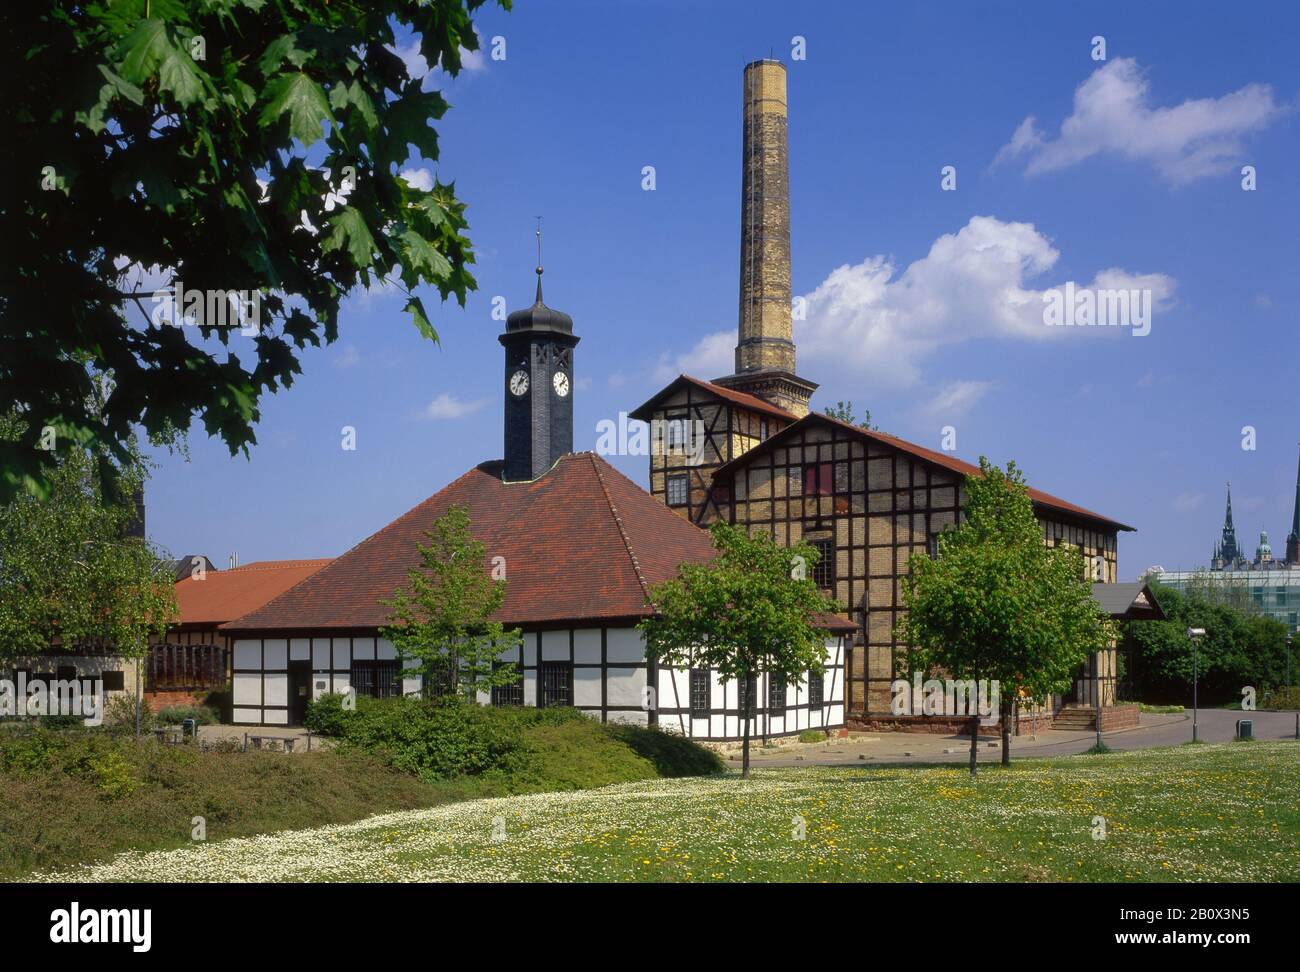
(1213, 725)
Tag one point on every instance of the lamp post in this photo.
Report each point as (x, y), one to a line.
(1195, 634)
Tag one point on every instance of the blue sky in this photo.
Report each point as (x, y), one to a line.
(923, 305)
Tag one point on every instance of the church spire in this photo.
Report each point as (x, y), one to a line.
(1228, 550)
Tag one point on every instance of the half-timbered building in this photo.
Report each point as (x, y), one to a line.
(758, 457)
(580, 548)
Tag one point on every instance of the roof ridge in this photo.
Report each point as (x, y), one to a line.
(618, 520)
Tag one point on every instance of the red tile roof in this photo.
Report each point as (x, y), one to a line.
(751, 402)
(582, 543)
(929, 455)
(224, 595)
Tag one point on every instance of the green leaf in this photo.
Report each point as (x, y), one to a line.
(303, 100)
(348, 230)
(415, 307)
(422, 257)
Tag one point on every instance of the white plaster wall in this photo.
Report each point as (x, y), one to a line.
(555, 645)
(586, 686)
(275, 654)
(320, 654)
(277, 688)
(247, 689)
(625, 645)
(624, 686)
(586, 646)
(248, 654)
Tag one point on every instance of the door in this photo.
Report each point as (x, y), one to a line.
(299, 691)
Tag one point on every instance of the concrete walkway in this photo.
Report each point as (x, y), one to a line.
(1213, 725)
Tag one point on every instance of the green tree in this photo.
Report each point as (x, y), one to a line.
(242, 147)
(72, 577)
(843, 411)
(751, 609)
(444, 618)
(999, 604)
(1241, 648)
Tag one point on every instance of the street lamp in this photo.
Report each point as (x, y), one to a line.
(1195, 634)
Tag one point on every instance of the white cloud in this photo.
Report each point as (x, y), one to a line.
(348, 357)
(448, 406)
(1187, 502)
(417, 66)
(714, 355)
(420, 178)
(957, 399)
(879, 324)
(1112, 115)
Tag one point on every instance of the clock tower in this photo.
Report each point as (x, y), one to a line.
(538, 389)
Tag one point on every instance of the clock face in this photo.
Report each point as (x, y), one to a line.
(519, 383)
(561, 383)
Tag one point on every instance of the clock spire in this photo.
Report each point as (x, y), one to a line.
(539, 343)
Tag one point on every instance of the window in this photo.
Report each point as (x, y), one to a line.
(762, 430)
(746, 690)
(114, 681)
(1281, 597)
(721, 493)
(557, 684)
(818, 479)
(65, 673)
(503, 695)
(776, 693)
(675, 432)
(378, 679)
(678, 490)
(816, 688)
(700, 692)
(823, 574)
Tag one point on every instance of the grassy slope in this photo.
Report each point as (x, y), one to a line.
(79, 799)
(1206, 813)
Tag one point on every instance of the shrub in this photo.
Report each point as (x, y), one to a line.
(435, 739)
(119, 714)
(812, 736)
(671, 754)
(222, 702)
(174, 714)
(326, 715)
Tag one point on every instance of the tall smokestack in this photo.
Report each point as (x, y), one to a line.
(766, 340)
(765, 364)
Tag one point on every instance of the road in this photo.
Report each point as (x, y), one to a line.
(1213, 725)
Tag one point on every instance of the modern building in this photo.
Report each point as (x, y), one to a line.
(1269, 585)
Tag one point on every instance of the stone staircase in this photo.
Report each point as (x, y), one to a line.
(1075, 718)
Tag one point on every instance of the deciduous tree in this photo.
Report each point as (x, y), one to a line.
(752, 609)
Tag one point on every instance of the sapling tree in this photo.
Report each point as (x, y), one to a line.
(997, 603)
(444, 620)
(750, 610)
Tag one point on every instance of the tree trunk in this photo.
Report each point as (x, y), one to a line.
(744, 752)
(1007, 711)
(974, 741)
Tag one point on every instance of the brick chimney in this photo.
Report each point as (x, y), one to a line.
(765, 353)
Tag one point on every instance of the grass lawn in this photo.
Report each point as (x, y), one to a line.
(1205, 813)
